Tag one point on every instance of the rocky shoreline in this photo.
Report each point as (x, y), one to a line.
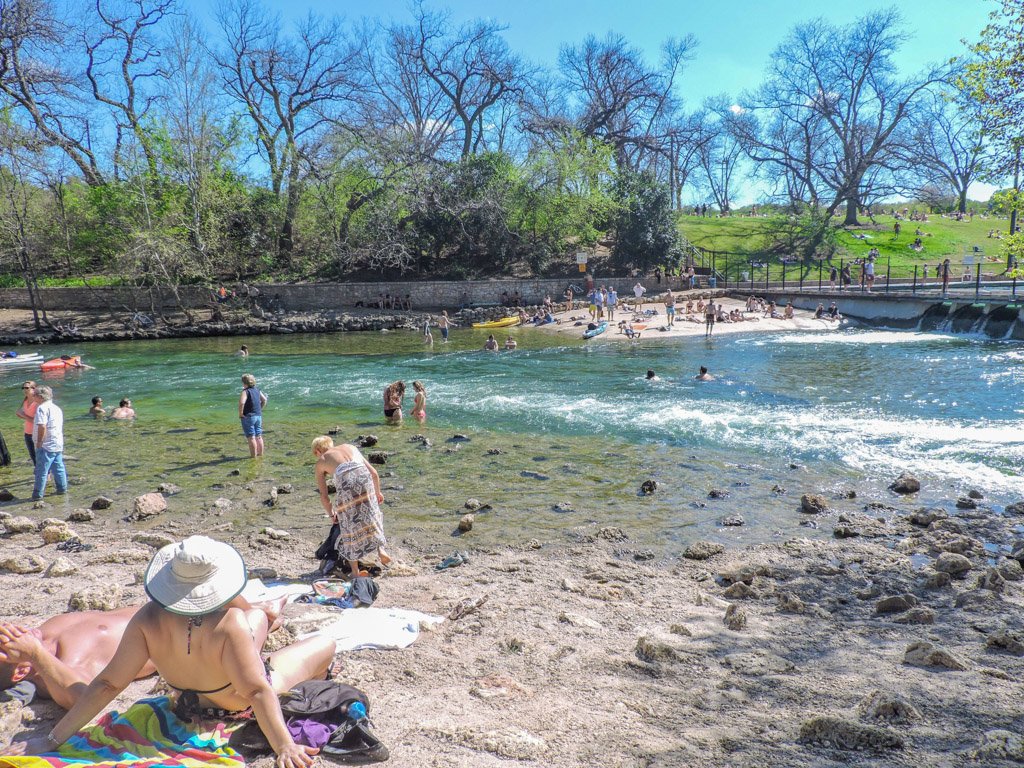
(899, 641)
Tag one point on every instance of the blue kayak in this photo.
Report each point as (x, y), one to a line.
(601, 328)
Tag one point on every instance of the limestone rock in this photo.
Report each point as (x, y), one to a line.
(510, 743)
(377, 457)
(878, 705)
(732, 521)
(611, 533)
(286, 488)
(976, 599)
(745, 573)
(966, 502)
(937, 580)
(98, 598)
(154, 540)
(735, 618)
(6, 495)
(275, 533)
(472, 505)
(843, 734)
(52, 534)
(1011, 570)
(575, 620)
(739, 591)
(367, 441)
(992, 580)
(845, 532)
(1007, 640)
(647, 487)
(918, 615)
(102, 502)
(1017, 508)
(147, 505)
(20, 524)
(653, 650)
(168, 489)
(758, 662)
(924, 517)
(906, 483)
(222, 504)
(10, 720)
(81, 516)
(466, 523)
(813, 504)
(718, 493)
(895, 604)
(790, 603)
(60, 568)
(955, 565)
(702, 550)
(23, 564)
(1000, 745)
(924, 654)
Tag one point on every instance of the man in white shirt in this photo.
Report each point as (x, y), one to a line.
(639, 291)
(48, 435)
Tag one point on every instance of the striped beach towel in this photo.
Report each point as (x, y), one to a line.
(146, 735)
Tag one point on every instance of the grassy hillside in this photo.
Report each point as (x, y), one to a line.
(741, 240)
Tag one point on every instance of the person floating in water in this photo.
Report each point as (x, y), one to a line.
(704, 375)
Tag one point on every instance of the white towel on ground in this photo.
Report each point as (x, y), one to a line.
(375, 628)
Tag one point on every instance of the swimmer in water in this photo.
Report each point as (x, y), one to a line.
(651, 375)
(704, 375)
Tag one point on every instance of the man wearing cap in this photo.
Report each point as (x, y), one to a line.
(204, 648)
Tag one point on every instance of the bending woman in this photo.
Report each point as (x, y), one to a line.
(356, 507)
(206, 646)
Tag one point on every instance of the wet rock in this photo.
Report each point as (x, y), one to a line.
(23, 564)
(680, 629)
(845, 532)
(98, 598)
(333, 431)
(81, 516)
(992, 580)
(6, 495)
(647, 487)
(879, 705)
(367, 441)
(168, 489)
(965, 502)
(472, 505)
(739, 591)
(611, 533)
(575, 620)
(494, 452)
(275, 534)
(562, 506)
(957, 566)
(735, 618)
(905, 484)
(458, 438)
(60, 568)
(974, 493)
(778, 490)
(924, 654)
(849, 493)
(534, 475)
(895, 604)
(644, 555)
(377, 457)
(154, 540)
(147, 505)
(813, 504)
(20, 524)
(1006, 640)
(1017, 508)
(961, 544)
(222, 504)
(56, 533)
(976, 599)
(937, 580)
(924, 517)
(744, 573)
(286, 488)
(702, 550)
(718, 493)
(1011, 570)
(999, 745)
(837, 733)
(732, 521)
(466, 523)
(272, 498)
(235, 473)
(918, 615)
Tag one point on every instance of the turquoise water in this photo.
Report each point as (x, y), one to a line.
(850, 409)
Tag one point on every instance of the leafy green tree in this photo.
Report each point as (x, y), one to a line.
(645, 229)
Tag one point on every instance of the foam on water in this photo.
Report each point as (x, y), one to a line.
(858, 337)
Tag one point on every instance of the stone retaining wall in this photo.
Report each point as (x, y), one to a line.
(312, 297)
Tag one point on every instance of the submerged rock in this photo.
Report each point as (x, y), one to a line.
(472, 505)
(377, 457)
(718, 493)
(647, 487)
(813, 504)
(925, 517)
(1017, 508)
(732, 521)
(367, 441)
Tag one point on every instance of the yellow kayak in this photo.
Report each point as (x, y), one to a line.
(505, 322)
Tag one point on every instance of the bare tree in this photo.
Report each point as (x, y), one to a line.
(471, 66)
(37, 75)
(719, 156)
(830, 106)
(291, 88)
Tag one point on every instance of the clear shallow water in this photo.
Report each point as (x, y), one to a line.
(852, 409)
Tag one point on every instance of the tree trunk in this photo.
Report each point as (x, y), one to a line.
(851, 213)
(1013, 213)
(961, 205)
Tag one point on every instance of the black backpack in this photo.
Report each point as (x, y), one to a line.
(327, 701)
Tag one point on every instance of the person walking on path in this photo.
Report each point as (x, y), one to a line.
(27, 413)
(49, 443)
(833, 275)
(356, 506)
(250, 412)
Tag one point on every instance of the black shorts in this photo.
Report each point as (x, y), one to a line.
(389, 412)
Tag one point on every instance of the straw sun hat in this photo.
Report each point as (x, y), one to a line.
(195, 576)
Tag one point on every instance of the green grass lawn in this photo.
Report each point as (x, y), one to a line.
(741, 240)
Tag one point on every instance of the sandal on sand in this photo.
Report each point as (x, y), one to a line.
(452, 561)
(355, 743)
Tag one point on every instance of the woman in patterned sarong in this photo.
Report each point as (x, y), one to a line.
(356, 506)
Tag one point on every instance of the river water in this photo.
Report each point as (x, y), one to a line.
(573, 422)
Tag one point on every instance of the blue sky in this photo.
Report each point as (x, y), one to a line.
(735, 39)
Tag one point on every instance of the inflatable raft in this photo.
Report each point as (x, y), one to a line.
(62, 363)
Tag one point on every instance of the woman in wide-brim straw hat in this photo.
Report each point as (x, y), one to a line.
(205, 641)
